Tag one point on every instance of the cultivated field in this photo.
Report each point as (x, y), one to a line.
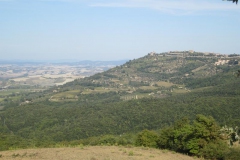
(47, 74)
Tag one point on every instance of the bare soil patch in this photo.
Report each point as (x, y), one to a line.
(93, 153)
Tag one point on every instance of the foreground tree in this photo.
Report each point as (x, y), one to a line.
(200, 138)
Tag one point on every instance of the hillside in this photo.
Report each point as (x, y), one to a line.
(151, 92)
(157, 75)
(154, 75)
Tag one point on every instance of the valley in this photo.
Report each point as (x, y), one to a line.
(29, 77)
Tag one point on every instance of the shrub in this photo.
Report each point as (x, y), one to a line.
(232, 154)
(147, 138)
(214, 150)
(201, 138)
(108, 139)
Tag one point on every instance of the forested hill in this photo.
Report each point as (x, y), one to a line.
(147, 93)
(158, 75)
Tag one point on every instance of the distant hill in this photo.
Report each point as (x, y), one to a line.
(69, 62)
(96, 63)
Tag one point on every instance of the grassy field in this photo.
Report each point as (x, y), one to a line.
(135, 96)
(65, 96)
(93, 153)
(45, 80)
(180, 91)
(99, 90)
(14, 92)
(164, 84)
(1, 99)
(148, 87)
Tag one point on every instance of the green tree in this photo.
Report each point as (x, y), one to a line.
(200, 138)
(214, 150)
(182, 132)
(205, 129)
(147, 138)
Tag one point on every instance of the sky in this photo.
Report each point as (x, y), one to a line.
(115, 29)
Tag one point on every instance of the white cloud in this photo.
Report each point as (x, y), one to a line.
(166, 6)
(170, 6)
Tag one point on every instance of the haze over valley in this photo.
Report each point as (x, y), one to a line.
(50, 74)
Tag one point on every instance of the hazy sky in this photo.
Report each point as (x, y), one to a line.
(115, 29)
